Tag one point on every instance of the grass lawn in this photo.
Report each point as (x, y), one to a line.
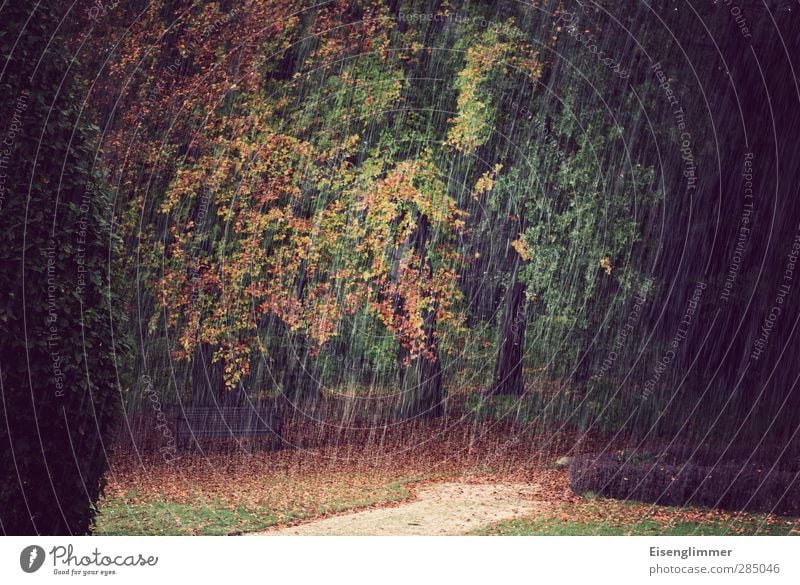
(604, 517)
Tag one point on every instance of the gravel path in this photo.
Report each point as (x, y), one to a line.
(441, 509)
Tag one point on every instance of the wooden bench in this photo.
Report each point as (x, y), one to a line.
(226, 423)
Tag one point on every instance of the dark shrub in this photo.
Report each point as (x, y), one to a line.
(744, 486)
(59, 383)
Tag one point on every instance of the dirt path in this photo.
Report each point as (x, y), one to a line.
(441, 509)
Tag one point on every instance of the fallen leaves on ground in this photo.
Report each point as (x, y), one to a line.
(328, 470)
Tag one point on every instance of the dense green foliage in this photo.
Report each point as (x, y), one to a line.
(60, 393)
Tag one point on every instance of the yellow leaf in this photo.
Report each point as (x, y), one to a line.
(522, 248)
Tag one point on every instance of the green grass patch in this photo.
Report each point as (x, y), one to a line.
(552, 527)
(623, 521)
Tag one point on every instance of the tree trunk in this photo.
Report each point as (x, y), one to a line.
(421, 384)
(422, 393)
(508, 378)
(208, 382)
(299, 381)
